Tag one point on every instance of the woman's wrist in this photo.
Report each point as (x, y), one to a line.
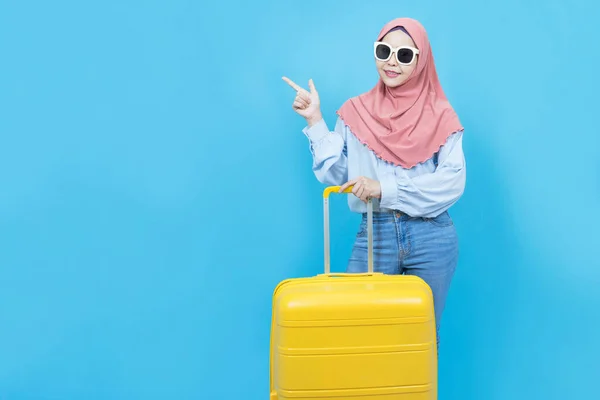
(313, 120)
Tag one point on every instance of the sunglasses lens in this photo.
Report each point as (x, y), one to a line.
(405, 56)
(382, 52)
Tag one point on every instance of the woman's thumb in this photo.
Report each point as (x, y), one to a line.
(311, 86)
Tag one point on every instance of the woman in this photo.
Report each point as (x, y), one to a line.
(399, 144)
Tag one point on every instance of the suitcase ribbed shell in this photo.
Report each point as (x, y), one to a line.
(353, 336)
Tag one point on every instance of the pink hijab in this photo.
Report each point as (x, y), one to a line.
(408, 124)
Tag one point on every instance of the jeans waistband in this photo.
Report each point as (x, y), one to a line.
(386, 213)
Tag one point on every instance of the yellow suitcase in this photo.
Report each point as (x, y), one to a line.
(353, 336)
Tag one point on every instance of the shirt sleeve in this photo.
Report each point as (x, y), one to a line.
(430, 194)
(329, 151)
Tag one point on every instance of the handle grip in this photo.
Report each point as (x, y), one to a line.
(336, 189)
(326, 193)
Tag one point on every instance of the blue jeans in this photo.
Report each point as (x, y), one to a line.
(425, 247)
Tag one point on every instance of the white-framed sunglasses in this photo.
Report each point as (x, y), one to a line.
(404, 54)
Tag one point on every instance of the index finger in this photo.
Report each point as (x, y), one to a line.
(292, 84)
(346, 185)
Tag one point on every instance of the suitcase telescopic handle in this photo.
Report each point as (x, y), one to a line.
(336, 189)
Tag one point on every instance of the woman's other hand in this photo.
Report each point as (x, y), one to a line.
(306, 103)
(364, 188)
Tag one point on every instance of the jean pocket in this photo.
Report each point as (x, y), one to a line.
(442, 220)
(362, 229)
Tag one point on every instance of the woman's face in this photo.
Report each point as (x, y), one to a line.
(393, 73)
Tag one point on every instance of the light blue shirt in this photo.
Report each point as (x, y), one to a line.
(426, 190)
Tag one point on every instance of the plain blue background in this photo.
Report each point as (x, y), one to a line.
(155, 186)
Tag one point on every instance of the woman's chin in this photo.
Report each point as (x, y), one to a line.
(392, 82)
